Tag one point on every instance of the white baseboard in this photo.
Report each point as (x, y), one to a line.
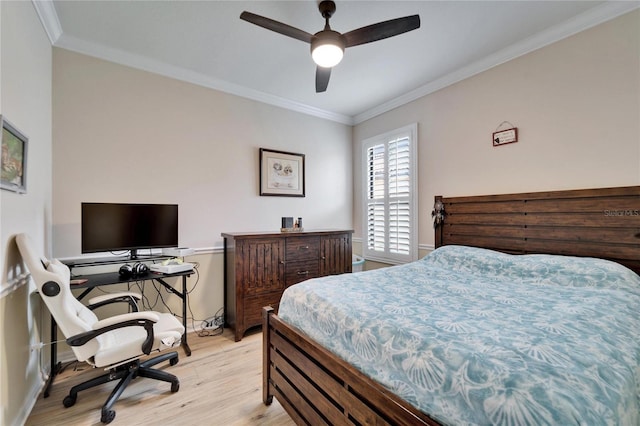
(30, 401)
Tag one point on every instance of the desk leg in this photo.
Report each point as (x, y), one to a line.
(185, 345)
(55, 366)
(183, 295)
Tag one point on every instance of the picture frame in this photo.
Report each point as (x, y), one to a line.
(282, 173)
(13, 166)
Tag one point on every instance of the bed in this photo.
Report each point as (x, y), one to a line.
(476, 335)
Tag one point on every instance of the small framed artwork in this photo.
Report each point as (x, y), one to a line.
(13, 167)
(281, 173)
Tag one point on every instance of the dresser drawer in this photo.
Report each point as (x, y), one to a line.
(296, 272)
(253, 307)
(302, 248)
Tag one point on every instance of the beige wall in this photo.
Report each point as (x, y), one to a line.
(25, 93)
(125, 135)
(576, 106)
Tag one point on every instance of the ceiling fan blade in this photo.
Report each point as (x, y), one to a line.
(381, 30)
(322, 79)
(276, 26)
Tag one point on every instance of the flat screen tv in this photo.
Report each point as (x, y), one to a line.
(110, 227)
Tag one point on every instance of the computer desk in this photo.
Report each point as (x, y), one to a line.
(111, 278)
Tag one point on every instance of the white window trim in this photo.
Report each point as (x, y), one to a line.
(412, 132)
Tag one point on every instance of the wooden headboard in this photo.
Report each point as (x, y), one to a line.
(601, 223)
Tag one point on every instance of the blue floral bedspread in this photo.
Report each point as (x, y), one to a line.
(473, 336)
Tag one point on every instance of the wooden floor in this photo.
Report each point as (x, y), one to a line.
(220, 384)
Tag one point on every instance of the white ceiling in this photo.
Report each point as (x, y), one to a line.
(206, 43)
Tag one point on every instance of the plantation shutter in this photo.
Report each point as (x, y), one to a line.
(399, 197)
(376, 209)
(389, 202)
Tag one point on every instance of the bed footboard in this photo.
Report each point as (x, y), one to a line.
(316, 387)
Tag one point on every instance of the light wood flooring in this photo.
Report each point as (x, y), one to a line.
(220, 384)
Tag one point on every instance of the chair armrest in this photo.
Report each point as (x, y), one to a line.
(116, 319)
(139, 319)
(106, 299)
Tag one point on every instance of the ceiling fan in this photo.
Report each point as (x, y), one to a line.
(327, 46)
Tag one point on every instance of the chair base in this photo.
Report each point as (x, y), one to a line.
(126, 373)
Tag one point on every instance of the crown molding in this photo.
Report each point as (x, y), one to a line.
(157, 67)
(49, 19)
(51, 24)
(584, 21)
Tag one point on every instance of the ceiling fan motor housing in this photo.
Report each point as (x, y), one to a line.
(327, 8)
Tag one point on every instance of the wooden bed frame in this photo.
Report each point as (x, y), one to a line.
(316, 387)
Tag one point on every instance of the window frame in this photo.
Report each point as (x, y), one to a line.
(386, 256)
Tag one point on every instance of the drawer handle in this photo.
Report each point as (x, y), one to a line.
(303, 273)
(304, 247)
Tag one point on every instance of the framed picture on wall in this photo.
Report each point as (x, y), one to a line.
(13, 167)
(281, 173)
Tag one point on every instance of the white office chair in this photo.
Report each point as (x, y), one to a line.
(116, 343)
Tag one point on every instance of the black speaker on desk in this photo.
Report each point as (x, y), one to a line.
(137, 270)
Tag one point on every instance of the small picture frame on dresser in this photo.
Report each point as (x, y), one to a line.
(287, 222)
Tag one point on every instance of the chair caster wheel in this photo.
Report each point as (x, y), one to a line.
(107, 416)
(173, 361)
(69, 401)
(175, 386)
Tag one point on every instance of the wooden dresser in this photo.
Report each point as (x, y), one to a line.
(259, 266)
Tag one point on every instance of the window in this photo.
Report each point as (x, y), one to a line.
(390, 196)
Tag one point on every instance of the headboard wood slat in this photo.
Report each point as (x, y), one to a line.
(602, 222)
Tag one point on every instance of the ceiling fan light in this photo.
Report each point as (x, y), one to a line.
(327, 55)
(327, 48)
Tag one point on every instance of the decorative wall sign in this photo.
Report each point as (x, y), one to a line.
(505, 136)
(281, 173)
(13, 167)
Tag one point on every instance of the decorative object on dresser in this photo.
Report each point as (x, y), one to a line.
(288, 225)
(259, 266)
